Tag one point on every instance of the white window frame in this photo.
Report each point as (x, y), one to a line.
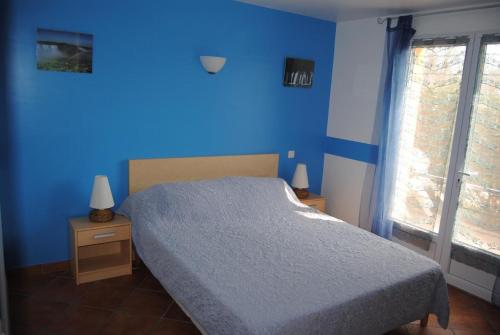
(441, 251)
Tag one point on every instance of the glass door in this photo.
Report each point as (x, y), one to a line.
(472, 251)
(446, 202)
(431, 104)
(477, 219)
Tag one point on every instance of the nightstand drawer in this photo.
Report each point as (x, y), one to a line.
(97, 236)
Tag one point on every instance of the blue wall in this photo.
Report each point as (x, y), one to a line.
(150, 97)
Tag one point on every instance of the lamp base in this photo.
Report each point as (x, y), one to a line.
(101, 215)
(301, 193)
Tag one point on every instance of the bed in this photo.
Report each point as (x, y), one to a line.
(241, 255)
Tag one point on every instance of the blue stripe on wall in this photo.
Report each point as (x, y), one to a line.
(353, 150)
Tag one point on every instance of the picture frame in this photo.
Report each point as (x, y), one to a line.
(64, 51)
(298, 73)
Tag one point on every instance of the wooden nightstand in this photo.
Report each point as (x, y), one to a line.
(315, 201)
(100, 250)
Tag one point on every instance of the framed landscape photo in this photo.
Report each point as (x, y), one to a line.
(64, 51)
(298, 72)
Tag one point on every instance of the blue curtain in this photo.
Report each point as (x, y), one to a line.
(398, 40)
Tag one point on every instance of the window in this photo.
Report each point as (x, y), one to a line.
(429, 112)
(447, 178)
(477, 222)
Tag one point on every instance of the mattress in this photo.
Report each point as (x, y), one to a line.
(242, 255)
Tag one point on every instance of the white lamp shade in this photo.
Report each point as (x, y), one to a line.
(101, 194)
(212, 64)
(300, 179)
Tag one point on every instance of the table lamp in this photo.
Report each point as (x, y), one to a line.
(300, 182)
(101, 201)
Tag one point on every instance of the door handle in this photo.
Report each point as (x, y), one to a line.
(467, 174)
(104, 235)
(462, 174)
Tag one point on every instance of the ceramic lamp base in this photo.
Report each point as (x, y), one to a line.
(101, 215)
(302, 193)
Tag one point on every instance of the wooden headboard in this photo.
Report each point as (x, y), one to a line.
(144, 173)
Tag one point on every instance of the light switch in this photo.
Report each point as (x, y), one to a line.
(291, 154)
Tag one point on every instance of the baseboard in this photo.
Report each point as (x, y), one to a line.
(39, 269)
(469, 287)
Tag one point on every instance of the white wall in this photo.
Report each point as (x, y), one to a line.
(359, 48)
(456, 23)
(343, 183)
(359, 52)
(355, 88)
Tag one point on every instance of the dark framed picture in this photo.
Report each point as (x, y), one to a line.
(298, 72)
(64, 51)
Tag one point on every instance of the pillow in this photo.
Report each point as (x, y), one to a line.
(196, 198)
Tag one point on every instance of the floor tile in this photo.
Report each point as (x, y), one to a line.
(133, 280)
(146, 302)
(27, 284)
(399, 331)
(172, 327)
(63, 290)
(24, 330)
(468, 318)
(122, 323)
(176, 313)
(493, 315)
(417, 330)
(84, 321)
(474, 332)
(64, 274)
(137, 304)
(56, 268)
(151, 283)
(461, 299)
(105, 296)
(17, 304)
(40, 315)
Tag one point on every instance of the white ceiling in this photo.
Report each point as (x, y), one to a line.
(342, 10)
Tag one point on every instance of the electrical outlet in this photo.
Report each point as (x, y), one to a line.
(291, 154)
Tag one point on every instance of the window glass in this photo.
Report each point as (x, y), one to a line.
(429, 113)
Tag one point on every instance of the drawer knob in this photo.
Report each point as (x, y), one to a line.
(104, 235)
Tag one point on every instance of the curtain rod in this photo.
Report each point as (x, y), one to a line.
(383, 19)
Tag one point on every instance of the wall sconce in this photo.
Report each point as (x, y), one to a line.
(212, 64)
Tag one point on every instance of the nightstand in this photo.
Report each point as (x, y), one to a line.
(315, 201)
(100, 250)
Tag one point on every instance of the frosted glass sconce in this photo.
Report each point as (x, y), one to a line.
(212, 64)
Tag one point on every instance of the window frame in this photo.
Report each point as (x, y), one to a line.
(436, 237)
(441, 245)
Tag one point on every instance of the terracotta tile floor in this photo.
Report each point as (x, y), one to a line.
(137, 304)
